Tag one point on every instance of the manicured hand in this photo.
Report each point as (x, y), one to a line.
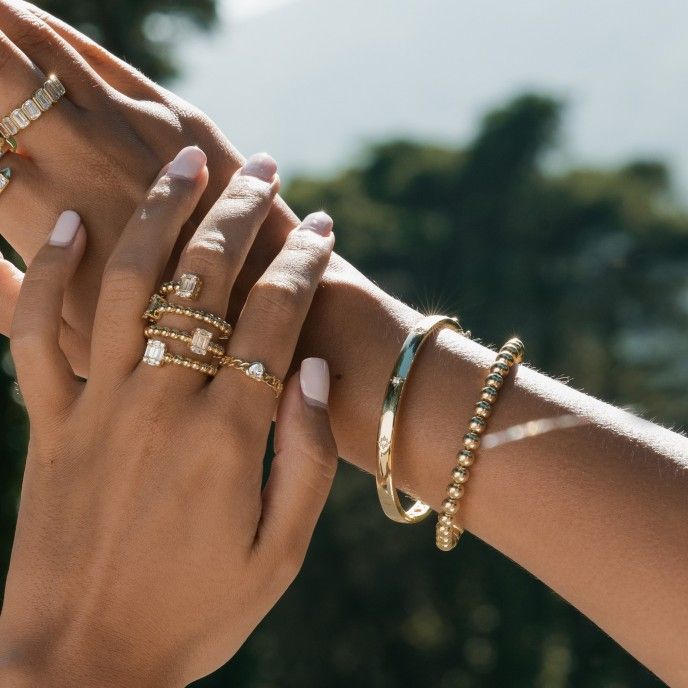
(98, 151)
(146, 550)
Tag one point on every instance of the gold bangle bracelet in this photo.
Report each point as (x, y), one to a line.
(447, 532)
(386, 492)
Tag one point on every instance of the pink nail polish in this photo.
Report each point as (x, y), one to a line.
(315, 382)
(320, 223)
(260, 165)
(188, 163)
(65, 229)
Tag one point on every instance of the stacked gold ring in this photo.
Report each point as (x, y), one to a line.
(447, 532)
(159, 306)
(199, 341)
(157, 355)
(30, 110)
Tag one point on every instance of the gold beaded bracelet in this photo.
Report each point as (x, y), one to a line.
(447, 533)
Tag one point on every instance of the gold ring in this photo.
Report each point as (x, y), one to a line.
(159, 306)
(187, 287)
(199, 341)
(156, 355)
(256, 371)
(5, 178)
(386, 491)
(7, 144)
(31, 110)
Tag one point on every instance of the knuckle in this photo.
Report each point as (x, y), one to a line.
(168, 195)
(323, 458)
(249, 191)
(280, 297)
(124, 275)
(31, 33)
(207, 251)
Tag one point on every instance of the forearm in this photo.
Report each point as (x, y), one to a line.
(593, 501)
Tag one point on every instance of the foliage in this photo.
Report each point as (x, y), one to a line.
(589, 266)
(140, 31)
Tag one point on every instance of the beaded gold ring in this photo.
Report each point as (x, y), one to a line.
(200, 341)
(187, 287)
(159, 306)
(156, 355)
(447, 532)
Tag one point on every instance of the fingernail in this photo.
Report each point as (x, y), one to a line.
(320, 223)
(315, 381)
(188, 163)
(65, 229)
(260, 165)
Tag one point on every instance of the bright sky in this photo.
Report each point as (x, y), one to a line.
(240, 10)
(314, 81)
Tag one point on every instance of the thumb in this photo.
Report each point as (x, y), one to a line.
(10, 283)
(302, 471)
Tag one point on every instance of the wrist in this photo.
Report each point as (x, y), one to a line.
(62, 663)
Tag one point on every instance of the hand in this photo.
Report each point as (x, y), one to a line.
(145, 552)
(97, 152)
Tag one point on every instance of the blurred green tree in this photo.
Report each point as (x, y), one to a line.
(139, 31)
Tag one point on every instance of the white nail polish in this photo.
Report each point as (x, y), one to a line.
(315, 381)
(65, 229)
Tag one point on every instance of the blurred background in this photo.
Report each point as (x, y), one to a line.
(521, 164)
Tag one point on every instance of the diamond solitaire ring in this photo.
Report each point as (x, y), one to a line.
(188, 287)
(256, 371)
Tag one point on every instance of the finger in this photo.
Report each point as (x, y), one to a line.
(119, 74)
(44, 374)
(269, 326)
(23, 179)
(10, 283)
(218, 248)
(302, 471)
(51, 54)
(135, 267)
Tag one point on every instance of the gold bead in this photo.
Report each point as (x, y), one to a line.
(477, 425)
(515, 347)
(489, 393)
(460, 475)
(454, 491)
(495, 380)
(459, 491)
(465, 458)
(500, 367)
(450, 506)
(483, 409)
(446, 520)
(471, 440)
(444, 531)
(447, 546)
